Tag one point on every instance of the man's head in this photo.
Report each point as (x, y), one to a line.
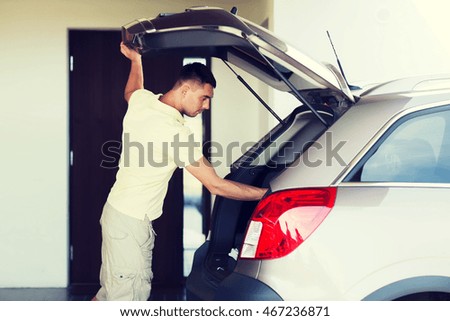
(198, 72)
(195, 88)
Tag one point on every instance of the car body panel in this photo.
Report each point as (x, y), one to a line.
(359, 248)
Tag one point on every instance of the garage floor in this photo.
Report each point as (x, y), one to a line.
(65, 294)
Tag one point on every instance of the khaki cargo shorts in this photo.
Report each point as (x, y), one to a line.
(127, 246)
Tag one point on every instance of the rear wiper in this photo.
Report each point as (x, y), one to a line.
(242, 80)
(287, 82)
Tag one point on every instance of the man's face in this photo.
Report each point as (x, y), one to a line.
(197, 98)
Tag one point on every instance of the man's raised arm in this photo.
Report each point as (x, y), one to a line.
(136, 77)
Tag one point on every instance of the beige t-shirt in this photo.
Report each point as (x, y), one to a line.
(154, 143)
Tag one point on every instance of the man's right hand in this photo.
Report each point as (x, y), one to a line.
(131, 54)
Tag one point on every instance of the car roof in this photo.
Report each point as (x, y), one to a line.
(409, 84)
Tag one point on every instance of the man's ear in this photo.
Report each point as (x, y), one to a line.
(184, 88)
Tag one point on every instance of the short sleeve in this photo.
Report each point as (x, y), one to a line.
(139, 98)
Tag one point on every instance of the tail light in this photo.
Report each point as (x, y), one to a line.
(284, 219)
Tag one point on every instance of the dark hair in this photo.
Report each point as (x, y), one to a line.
(197, 71)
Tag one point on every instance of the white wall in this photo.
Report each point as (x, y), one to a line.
(34, 124)
(376, 40)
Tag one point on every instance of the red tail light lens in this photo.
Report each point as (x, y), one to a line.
(284, 219)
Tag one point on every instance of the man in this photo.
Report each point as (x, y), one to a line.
(136, 199)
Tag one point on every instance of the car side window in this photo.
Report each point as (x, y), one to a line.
(416, 151)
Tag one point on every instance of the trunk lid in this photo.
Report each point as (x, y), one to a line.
(214, 32)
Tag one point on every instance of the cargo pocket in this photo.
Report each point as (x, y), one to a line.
(117, 243)
(122, 286)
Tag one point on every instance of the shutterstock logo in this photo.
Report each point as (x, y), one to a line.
(331, 153)
(183, 153)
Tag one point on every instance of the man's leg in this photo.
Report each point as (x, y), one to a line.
(126, 257)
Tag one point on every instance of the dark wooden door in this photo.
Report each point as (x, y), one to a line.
(98, 74)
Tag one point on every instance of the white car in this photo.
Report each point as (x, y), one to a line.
(359, 184)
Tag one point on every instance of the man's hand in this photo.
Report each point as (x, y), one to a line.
(131, 54)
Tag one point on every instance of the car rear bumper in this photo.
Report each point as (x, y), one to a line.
(238, 287)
